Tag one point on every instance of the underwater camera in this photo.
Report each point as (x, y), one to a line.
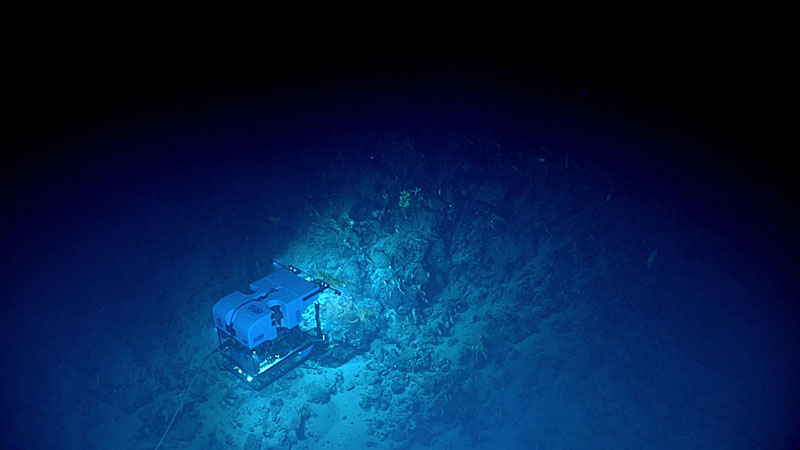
(260, 337)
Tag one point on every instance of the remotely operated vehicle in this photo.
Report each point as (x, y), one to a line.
(260, 334)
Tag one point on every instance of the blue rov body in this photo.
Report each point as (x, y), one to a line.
(260, 337)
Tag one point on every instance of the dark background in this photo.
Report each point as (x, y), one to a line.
(725, 93)
(728, 90)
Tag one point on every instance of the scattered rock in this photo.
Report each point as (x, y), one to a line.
(375, 392)
(380, 259)
(372, 377)
(253, 442)
(399, 384)
(318, 394)
(229, 398)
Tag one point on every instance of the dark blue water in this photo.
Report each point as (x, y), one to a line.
(578, 262)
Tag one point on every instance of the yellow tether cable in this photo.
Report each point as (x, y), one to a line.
(183, 398)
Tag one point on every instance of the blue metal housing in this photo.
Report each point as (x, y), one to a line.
(277, 301)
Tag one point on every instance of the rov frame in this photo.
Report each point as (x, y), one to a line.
(263, 364)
